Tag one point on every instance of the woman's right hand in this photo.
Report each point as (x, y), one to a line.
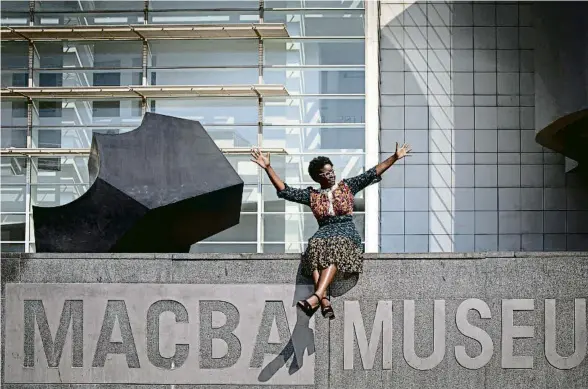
(262, 160)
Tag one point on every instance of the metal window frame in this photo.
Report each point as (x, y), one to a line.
(144, 32)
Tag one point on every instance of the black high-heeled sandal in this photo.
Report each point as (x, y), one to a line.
(327, 311)
(307, 308)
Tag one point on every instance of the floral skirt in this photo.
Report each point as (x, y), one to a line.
(335, 243)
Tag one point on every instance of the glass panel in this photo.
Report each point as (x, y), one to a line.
(293, 169)
(12, 247)
(84, 78)
(99, 54)
(61, 169)
(233, 137)
(205, 17)
(324, 81)
(48, 195)
(84, 19)
(319, 139)
(314, 3)
(281, 248)
(72, 137)
(314, 52)
(13, 171)
(18, 78)
(250, 198)
(319, 23)
(14, 13)
(13, 113)
(15, 63)
(246, 169)
(245, 231)
(224, 111)
(13, 227)
(89, 6)
(195, 5)
(15, 55)
(206, 76)
(12, 196)
(202, 247)
(66, 113)
(287, 227)
(313, 110)
(13, 137)
(202, 53)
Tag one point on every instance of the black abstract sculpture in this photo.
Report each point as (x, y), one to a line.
(159, 188)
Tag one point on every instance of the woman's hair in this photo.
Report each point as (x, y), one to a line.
(315, 166)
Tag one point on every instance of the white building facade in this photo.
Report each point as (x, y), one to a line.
(455, 80)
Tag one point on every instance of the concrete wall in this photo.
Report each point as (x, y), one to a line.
(199, 320)
(561, 60)
(458, 84)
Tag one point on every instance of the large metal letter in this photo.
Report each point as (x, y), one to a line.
(224, 332)
(580, 336)
(273, 311)
(153, 316)
(510, 331)
(116, 311)
(438, 337)
(73, 312)
(353, 322)
(461, 319)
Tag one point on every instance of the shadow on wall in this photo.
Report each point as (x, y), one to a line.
(457, 83)
(301, 341)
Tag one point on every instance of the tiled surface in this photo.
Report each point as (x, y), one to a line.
(457, 83)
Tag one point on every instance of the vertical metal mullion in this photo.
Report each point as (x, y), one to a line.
(29, 144)
(260, 207)
(31, 12)
(144, 54)
(145, 11)
(145, 50)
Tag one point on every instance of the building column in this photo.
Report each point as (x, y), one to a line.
(372, 122)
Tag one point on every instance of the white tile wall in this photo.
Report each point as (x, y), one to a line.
(457, 83)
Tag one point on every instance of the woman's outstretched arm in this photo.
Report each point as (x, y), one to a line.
(284, 191)
(399, 154)
(264, 162)
(275, 179)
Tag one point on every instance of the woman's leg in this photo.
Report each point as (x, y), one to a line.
(322, 283)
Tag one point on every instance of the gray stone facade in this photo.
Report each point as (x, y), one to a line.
(467, 84)
(483, 320)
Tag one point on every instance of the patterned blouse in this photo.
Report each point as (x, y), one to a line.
(335, 201)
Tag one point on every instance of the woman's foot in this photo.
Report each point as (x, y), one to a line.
(310, 305)
(327, 309)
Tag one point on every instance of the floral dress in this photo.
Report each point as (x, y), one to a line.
(337, 241)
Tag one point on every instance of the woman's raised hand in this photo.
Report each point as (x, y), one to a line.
(402, 151)
(262, 160)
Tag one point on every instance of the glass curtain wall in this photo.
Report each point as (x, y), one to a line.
(321, 64)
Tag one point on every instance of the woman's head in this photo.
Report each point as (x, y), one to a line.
(321, 170)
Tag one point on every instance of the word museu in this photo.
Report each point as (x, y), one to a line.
(382, 328)
(354, 324)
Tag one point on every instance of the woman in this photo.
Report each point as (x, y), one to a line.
(336, 246)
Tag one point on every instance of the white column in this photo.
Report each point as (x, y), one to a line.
(372, 122)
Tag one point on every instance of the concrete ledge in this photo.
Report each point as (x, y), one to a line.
(252, 256)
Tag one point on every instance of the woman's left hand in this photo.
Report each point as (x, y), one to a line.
(402, 151)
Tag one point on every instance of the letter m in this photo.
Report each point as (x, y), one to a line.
(382, 328)
(73, 312)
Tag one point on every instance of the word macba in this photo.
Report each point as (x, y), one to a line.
(150, 333)
(382, 329)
